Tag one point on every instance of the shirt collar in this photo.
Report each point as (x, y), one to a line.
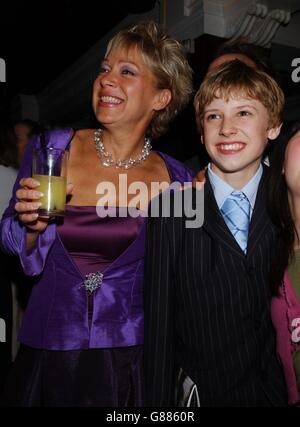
(222, 190)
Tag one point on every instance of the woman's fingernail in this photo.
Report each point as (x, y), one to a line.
(34, 182)
(36, 205)
(38, 194)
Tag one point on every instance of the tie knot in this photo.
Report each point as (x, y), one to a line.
(238, 195)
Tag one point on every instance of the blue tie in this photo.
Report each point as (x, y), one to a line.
(236, 214)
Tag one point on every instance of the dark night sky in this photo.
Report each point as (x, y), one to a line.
(39, 39)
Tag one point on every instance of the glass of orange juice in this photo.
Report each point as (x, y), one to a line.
(49, 168)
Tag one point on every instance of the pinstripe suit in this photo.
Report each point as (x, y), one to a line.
(207, 310)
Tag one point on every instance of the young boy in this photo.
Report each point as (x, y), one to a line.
(208, 331)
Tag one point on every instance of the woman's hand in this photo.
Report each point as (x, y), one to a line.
(28, 196)
(28, 204)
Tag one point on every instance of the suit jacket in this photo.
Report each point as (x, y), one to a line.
(207, 310)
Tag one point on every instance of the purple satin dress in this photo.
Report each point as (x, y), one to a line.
(93, 377)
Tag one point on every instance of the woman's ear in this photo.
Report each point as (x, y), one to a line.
(274, 132)
(163, 98)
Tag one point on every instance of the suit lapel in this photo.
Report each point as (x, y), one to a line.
(260, 221)
(214, 223)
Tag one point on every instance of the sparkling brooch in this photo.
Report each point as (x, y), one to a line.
(93, 281)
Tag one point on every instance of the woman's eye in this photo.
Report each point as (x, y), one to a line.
(103, 70)
(244, 113)
(127, 71)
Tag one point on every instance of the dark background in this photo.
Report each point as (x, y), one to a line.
(39, 39)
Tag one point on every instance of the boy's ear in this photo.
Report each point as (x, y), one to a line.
(274, 132)
(162, 100)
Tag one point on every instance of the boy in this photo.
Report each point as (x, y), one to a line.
(208, 330)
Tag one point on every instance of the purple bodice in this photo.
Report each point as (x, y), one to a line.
(94, 243)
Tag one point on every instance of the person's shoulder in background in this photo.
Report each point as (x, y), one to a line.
(194, 163)
(8, 177)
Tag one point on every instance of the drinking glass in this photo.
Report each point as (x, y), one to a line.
(49, 168)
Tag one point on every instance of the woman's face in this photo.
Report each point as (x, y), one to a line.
(125, 93)
(291, 166)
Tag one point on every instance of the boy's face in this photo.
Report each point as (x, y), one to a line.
(235, 134)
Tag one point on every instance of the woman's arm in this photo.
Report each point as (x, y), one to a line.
(23, 234)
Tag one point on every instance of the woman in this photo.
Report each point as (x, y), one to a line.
(284, 204)
(87, 302)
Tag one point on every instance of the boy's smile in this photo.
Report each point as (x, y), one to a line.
(230, 148)
(235, 134)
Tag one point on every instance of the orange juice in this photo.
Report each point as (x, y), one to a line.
(54, 198)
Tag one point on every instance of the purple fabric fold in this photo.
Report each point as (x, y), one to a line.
(15, 244)
(94, 242)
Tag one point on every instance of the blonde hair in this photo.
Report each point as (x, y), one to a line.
(235, 79)
(166, 60)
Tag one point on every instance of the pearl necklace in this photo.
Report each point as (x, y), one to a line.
(107, 160)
